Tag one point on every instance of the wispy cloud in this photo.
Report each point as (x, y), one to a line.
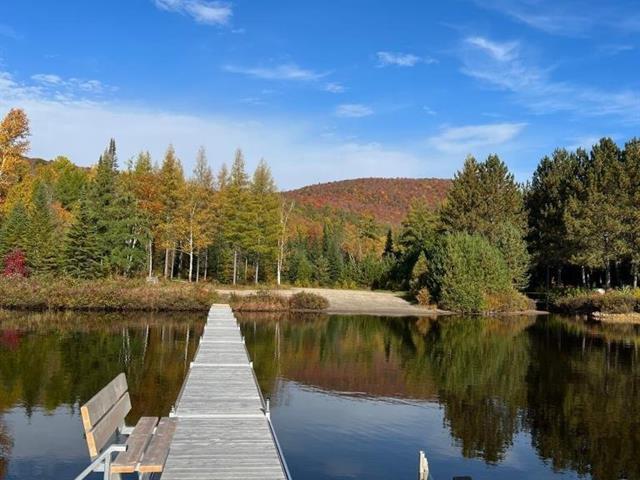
(334, 87)
(468, 138)
(429, 111)
(615, 49)
(503, 66)
(398, 59)
(287, 71)
(71, 85)
(202, 11)
(500, 51)
(570, 18)
(353, 110)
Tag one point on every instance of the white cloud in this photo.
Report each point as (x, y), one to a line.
(79, 128)
(468, 138)
(503, 66)
(47, 78)
(334, 87)
(353, 110)
(571, 18)
(398, 59)
(206, 12)
(287, 71)
(499, 51)
(70, 86)
(615, 49)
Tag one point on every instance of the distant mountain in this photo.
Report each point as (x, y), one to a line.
(385, 199)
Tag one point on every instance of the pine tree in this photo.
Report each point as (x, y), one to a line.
(237, 215)
(15, 230)
(82, 255)
(265, 206)
(594, 217)
(631, 160)
(101, 199)
(389, 248)
(142, 180)
(553, 183)
(171, 196)
(486, 200)
(41, 252)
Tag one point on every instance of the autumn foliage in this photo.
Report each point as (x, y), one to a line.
(15, 264)
(387, 200)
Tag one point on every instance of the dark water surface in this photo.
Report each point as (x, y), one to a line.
(352, 397)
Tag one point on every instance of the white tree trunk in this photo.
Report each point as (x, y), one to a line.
(198, 266)
(150, 256)
(257, 271)
(235, 265)
(166, 262)
(206, 263)
(191, 255)
(284, 218)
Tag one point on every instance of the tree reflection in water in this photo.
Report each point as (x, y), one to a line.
(573, 387)
(52, 360)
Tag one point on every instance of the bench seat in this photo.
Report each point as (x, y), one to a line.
(147, 444)
(126, 462)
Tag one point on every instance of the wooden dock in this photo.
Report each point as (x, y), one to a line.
(224, 429)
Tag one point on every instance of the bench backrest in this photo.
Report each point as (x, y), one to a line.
(105, 413)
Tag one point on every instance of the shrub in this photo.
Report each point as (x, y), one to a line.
(262, 301)
(308, 301)
(465, 270)
(423, 297)
(15, 264)
(584, 301)
(508, 301)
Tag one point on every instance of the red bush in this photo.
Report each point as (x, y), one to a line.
(15, 264)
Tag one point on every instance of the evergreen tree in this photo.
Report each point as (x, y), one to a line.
(82, 255)
(41, 251)
(265, 206)
(595, 220)
(553, 183)
(143, 182)
(631, 159)
(389, 249)
(486, 200)
(171, 179)
(237, 213)
(15, 230)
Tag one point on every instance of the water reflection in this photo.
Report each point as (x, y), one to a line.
(50, 363)
(529, 397)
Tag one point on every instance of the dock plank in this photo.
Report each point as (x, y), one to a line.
(221, 429)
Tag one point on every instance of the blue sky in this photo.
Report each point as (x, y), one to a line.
(323, 90)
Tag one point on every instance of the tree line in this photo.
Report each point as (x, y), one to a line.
(575, 222)
(89, 223)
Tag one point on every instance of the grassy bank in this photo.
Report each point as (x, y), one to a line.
(623, 303)
(107, 295)
(120, 294)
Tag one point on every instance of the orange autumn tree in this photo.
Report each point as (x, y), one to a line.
(14, 144)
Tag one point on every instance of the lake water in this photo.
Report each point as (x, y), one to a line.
(351, 396)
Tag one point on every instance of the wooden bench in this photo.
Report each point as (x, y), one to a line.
(147, 444)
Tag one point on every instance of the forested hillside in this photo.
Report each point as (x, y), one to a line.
(386, 200)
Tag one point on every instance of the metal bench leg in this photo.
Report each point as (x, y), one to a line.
(102, 462)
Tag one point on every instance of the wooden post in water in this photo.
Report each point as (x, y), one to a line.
(423, 467)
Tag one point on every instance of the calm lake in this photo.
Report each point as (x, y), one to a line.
(351, 396)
